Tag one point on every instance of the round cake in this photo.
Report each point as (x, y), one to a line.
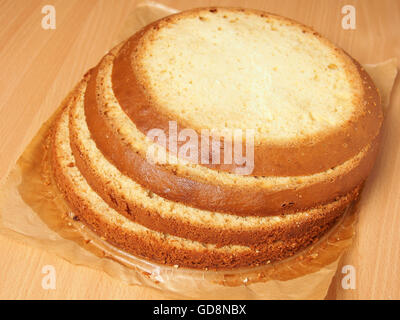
(265, 133)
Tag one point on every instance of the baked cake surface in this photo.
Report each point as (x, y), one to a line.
(316, 116)
(165, 248)
(316, 96)
(119, 139)
(142, 205)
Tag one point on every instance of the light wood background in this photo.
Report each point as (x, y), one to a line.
(38, 68)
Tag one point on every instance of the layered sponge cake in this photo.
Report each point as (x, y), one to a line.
(315, 116)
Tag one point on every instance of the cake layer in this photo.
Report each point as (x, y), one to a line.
(124, 145)
(143, 206)
(315, 113)
(141, 241)
(311, 105)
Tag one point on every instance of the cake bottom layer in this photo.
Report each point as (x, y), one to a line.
(139, 204)
(156, 246)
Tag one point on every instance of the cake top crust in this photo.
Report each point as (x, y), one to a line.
(238, 69)
(309, 105)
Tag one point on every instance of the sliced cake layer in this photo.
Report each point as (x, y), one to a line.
(138, 240)
(123, 144)
(143, 206)
(311, 105)
(314, 111)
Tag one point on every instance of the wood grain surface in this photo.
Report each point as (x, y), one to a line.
(39, 67)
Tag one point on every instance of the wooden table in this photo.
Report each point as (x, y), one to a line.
(39, 67)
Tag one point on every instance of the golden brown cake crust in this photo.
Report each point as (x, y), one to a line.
(299, 224)
(209, 234)
(238, 200)
(309, 224)
(305, 157)
(167, 239)
(158, 250)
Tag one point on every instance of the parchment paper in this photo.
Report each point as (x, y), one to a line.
(33, 211)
